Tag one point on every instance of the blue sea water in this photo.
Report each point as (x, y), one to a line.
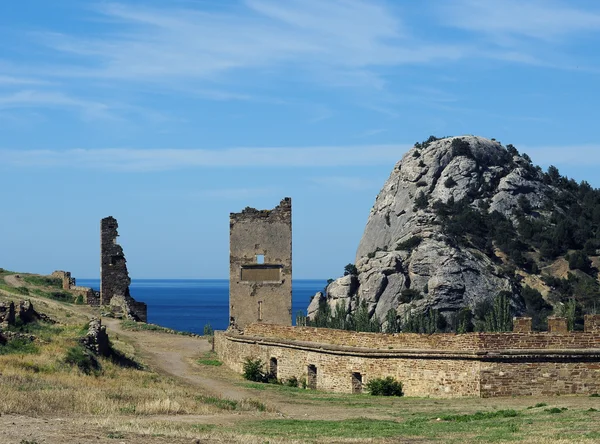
(189, 304)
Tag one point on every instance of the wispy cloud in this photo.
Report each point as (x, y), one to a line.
(534, 32)
(173, 159)
(15, 81)
(44, 99)
(338, 40)
(545, 20)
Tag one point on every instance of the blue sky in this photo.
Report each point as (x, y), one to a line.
(168, 115)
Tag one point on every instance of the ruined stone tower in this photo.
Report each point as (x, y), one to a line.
(260, 265)
(114, 277)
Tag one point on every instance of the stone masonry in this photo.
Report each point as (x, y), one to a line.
(260, 266)
(89, 295)
(114, 277)
(96, 339)
(438, 365)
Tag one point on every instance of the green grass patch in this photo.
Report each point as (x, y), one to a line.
(42, 281)
(538, 405)
(15, 290)
(222, 403)
(209, 358)
(19, 346)
(478, 416)
(489, 428)
(42, 330)
(555, 410)
(60, 296)
(256, 404)
(351, 428)
(128, 324)
(83, 359)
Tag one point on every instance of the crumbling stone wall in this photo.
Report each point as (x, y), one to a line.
(260, 266)
(24, 311)
(89, 295)
(437, 365)
(114, 277)
(96, 339)
(65, 277)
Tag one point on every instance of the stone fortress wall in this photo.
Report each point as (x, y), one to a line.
(438, 365)
(89, 295)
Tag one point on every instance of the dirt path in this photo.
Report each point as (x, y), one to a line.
(174, 355)
(13, 280)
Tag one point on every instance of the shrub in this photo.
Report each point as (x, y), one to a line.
(60, 296)
(421, 201)
(385, 387)
(350, 269)
(463, 321)
(22, 290)
(449, 182)
(83, 359)
(253, 370)
(79, 300)
(580, 261)
(292, 382)
(461, 147)
(19, 346)
(409, 244)
(499, 318)
(410, 295)
(428, 322)
(208, 330)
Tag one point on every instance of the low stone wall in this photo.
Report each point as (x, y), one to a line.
(439, 341)
(530, 375)
(438, 365)
(96, 339)
(420, 376)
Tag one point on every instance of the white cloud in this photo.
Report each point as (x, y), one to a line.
(12, 81)
(45, 99)
(173, 159)
(545, 20)
(338, 41)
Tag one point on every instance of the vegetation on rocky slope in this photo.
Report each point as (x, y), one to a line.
(476, 222)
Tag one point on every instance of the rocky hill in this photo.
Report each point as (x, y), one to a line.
(463, 219)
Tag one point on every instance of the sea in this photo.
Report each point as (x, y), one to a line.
(190, 304)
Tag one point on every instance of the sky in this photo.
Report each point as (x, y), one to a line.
(169, 115)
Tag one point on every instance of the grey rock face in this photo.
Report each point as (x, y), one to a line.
(313, 307)
(447, 275)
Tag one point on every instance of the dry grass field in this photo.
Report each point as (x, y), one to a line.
(168, 388)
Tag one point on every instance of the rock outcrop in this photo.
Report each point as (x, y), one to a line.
(404, 246)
